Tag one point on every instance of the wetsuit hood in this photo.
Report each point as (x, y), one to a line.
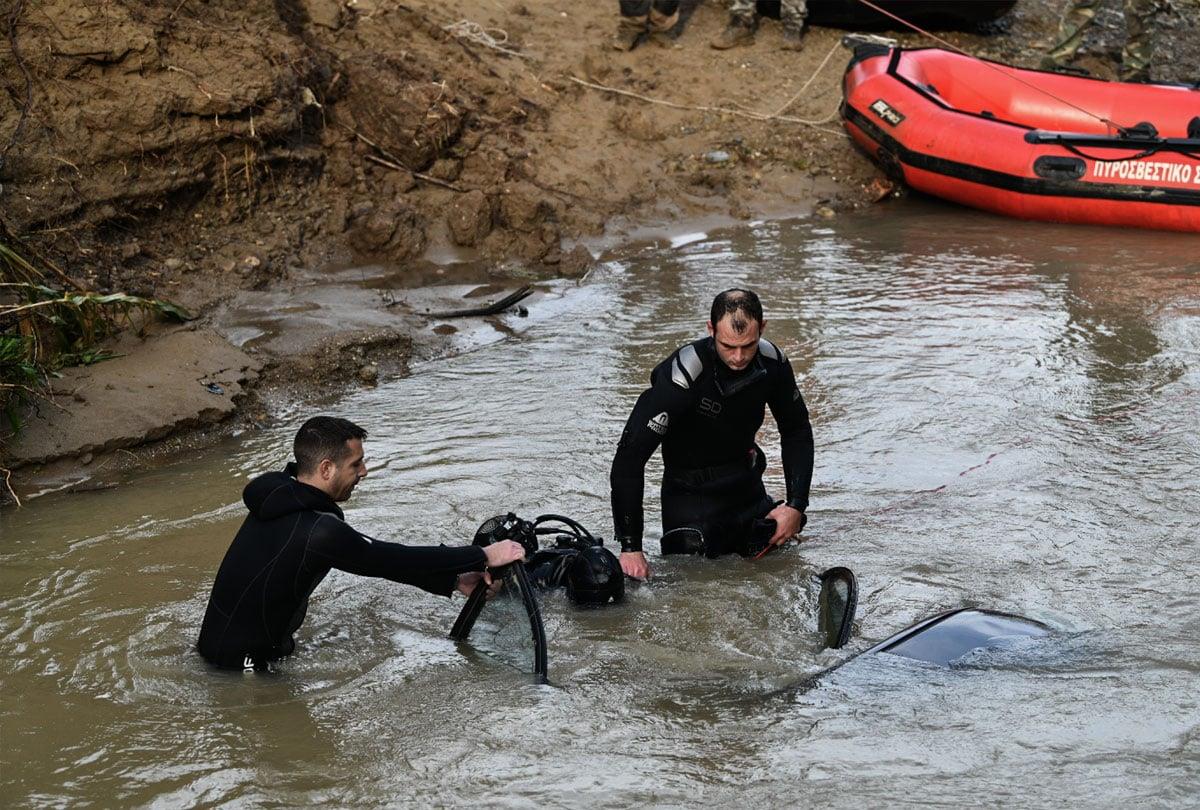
(276, 494)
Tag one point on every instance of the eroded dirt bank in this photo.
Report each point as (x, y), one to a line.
(200, 149)
(189, 148)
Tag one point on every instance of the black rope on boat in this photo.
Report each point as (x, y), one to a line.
(1079, 152)
(1144, 153)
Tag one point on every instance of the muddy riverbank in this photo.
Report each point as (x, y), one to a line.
(247, 158)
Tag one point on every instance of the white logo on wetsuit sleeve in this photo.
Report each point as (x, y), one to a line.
(659, 423)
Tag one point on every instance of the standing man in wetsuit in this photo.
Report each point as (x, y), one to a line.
(295, 533)
(705, 405)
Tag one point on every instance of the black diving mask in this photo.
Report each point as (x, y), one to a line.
(730, 382)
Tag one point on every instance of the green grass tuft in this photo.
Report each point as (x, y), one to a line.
(44, 328)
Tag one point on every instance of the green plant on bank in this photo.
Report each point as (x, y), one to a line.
(44, 327)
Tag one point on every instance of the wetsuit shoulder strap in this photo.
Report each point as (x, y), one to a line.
(770, 351)
(687, 366)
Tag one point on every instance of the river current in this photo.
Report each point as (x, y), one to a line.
(1005, 416)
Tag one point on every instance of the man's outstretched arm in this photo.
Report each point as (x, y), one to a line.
(431, 568)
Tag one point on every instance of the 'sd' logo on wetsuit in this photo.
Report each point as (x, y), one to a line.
(659, 423)
(885, 111)
(710, 407)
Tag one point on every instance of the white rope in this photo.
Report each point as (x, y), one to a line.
(816, 72)
(755, 116)
(494, 38)
(743, 112)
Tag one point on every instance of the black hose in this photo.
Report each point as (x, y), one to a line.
(478, 598)
(470, 612)
(536, 628)
(578, 528)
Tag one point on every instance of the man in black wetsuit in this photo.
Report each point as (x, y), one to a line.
(705, 405)
(295, 533)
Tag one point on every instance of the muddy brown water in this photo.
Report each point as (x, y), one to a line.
(1005, 416)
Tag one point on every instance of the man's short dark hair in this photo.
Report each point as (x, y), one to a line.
(324, 437)
(742, 305)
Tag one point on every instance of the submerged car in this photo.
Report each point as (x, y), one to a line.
(579, 562)
(940, 639)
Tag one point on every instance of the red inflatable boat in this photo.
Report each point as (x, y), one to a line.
(1027, 143)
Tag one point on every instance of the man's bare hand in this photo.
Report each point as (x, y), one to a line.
(469, 581)
(634, 564)
(503, 553)
(788, 523)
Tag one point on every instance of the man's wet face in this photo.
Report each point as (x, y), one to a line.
(736, 349)
(349, 471)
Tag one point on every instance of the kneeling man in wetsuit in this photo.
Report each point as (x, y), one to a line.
(295, 533)
(705, 405)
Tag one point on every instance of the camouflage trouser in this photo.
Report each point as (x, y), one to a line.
(1139, 29)
(792, 13)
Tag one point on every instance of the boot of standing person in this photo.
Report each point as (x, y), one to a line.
(663, 17)
(736, 34)
(743, 22)
(635, 16)
(792, 14)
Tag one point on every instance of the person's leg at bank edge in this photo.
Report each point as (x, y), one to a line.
(792, 15)
(743, 22)
(1071, 31)
(1141, 17)
(645, 18)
